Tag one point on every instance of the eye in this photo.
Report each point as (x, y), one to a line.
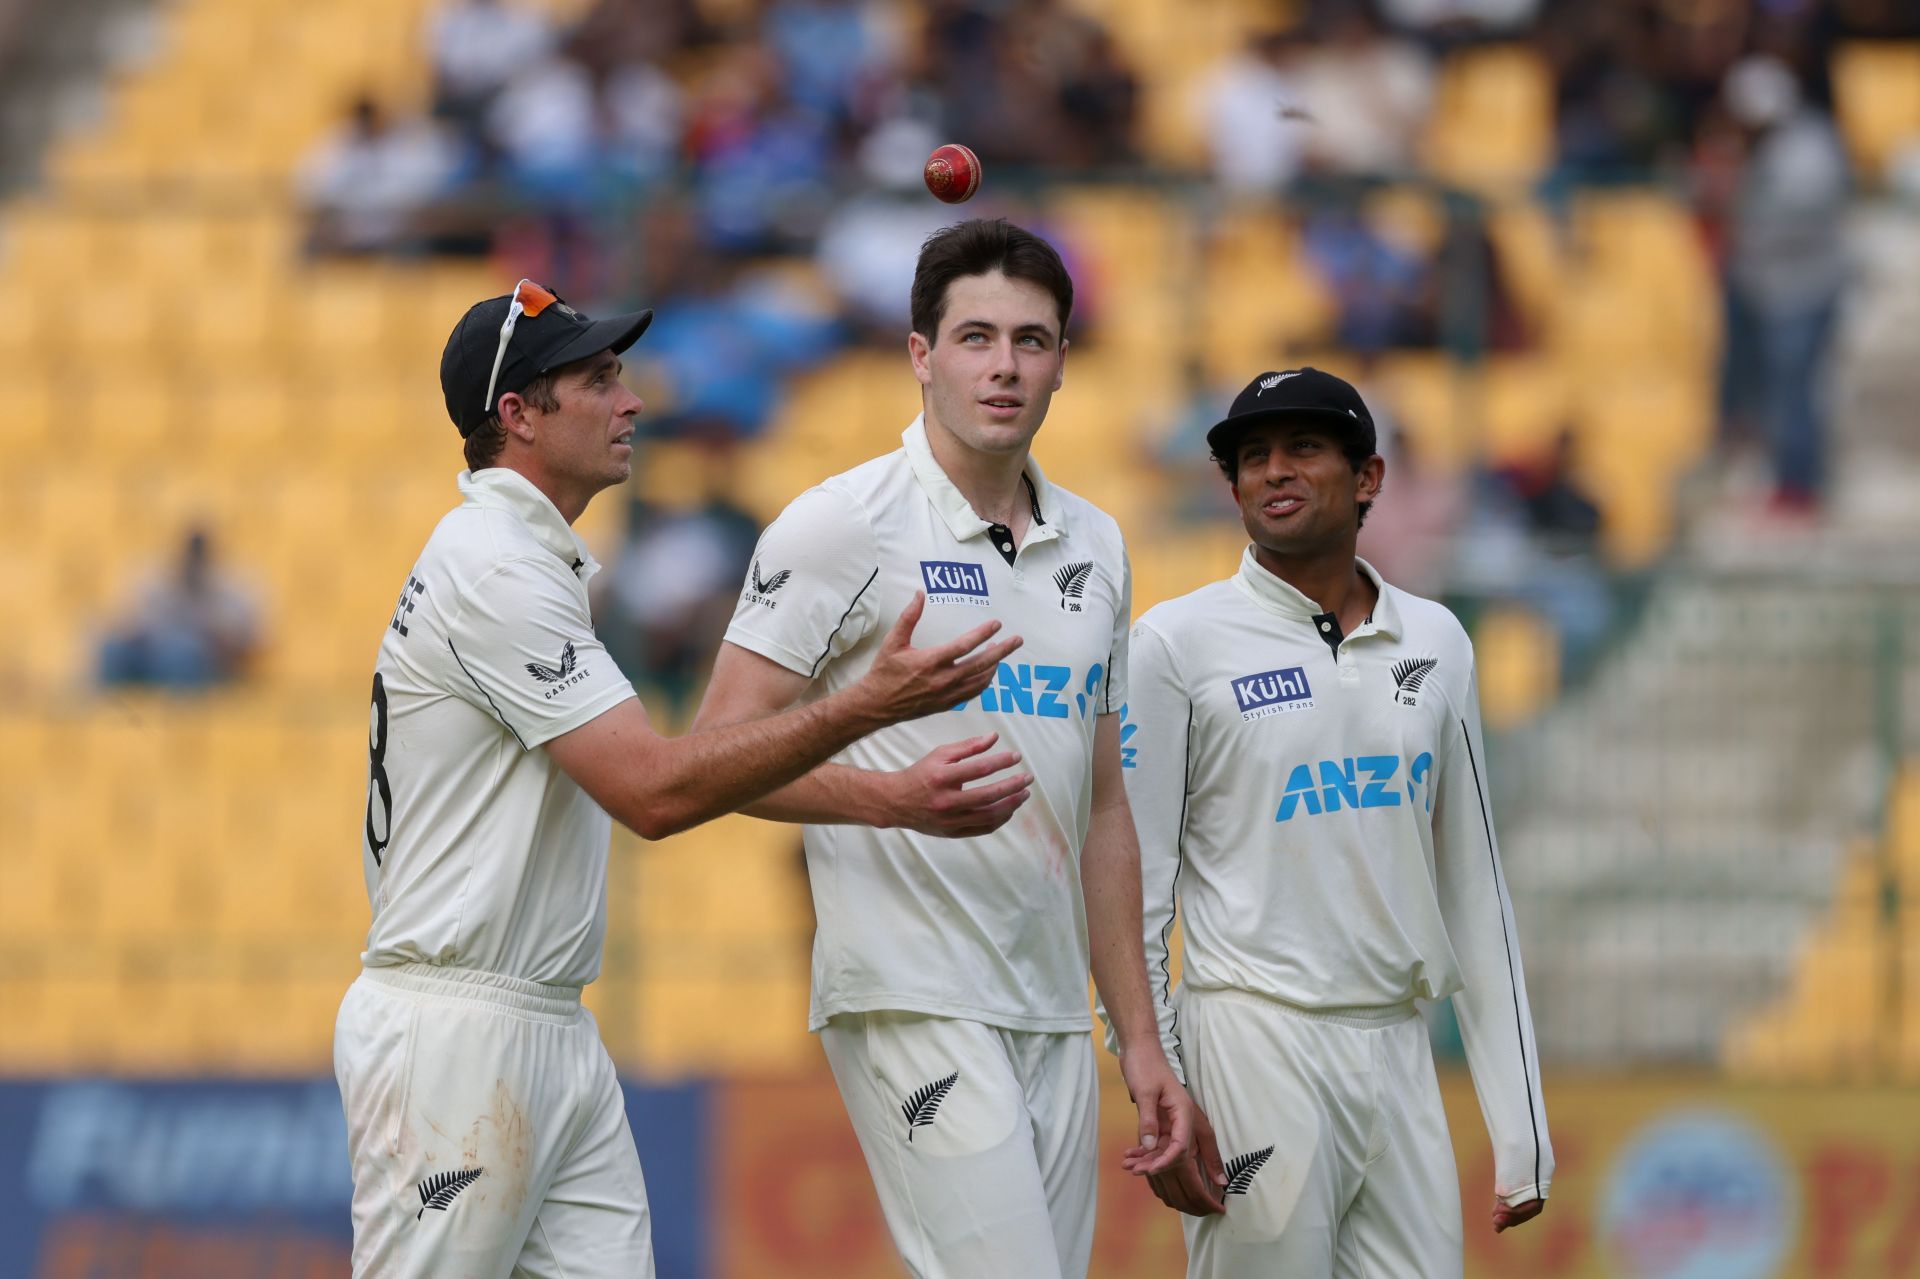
(975, 336)
(1032, 341)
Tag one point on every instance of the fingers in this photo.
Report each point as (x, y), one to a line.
(1212, 1167)
(901, 636)
(989, 820)
(1505, 1218)
(987, 794)
(972, 770)
(954, 752)
(1184, 1189)
(954, 650)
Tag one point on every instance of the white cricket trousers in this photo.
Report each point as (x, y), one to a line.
(983, 1142)
(1333, 1132)
(487, 1130)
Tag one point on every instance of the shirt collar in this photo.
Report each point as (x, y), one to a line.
(1276, 595)
(500, 488)
(1049, 519)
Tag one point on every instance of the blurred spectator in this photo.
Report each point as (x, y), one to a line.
(544, 124)
(477, 47)
(1442, 24)
(870, 244)
(762, 165)
(1368, 93)
(1409, 532)
(1248, 105)
(189, 629)
(1785, 270)
(1563, 576)
(1382, 287)
(1614, 120)
(367, 185)
(666, 599)
(831, 52)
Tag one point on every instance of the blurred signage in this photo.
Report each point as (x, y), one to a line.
(230, 1179)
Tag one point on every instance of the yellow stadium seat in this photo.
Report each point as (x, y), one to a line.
(1876, 92)
(1518, 657)
(1492, 123)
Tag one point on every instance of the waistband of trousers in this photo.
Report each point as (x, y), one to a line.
(1362, 1017)
(536, 999)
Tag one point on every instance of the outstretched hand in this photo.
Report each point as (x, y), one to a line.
(934, 798)
(905, 682)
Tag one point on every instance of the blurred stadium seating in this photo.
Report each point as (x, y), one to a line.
(1714, 843)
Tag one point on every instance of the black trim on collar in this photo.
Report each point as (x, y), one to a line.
(1002, 538)
(1033, 500)
(1329, 627)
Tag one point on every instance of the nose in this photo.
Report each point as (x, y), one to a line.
(630, 404)
(1005, 367)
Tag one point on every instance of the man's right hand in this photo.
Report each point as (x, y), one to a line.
(933, 797)
(906, 683)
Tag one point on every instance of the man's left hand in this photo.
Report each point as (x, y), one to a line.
(1171, 1126)
(1505, 1218)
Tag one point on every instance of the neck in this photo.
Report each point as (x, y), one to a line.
(565, 499)
(990, 482)
(1332, 580)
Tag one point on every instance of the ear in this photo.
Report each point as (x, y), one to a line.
(1373, 473)
(516, 415)
(920, 351)
(1060, 371)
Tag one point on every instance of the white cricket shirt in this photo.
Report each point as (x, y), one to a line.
(1324, 816)
(479, 852)
(989, 929)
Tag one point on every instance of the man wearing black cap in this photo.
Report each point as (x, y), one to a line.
(1306, 763)
(484, 1120)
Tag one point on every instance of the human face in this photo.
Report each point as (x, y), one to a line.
(991, 370)
(1299, 496)
(586, 444)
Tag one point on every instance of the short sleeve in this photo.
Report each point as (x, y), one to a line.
(809, 591)
(524, 642)
(1117, 663)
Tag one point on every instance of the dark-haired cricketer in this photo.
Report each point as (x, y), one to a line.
(1306, 769)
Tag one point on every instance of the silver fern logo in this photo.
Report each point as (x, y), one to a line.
(924, 1105)
(1242, 1169)
(760, 590)
(1408, 676)
(439, 1190)
(1072, 581)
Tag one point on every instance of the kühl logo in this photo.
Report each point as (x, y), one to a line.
(1072, 581)
(951, 582)
(1272, 693)
(1341, 785)
(439, 1190)
(924, 1105)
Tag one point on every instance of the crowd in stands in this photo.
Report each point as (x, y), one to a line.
(651, 150)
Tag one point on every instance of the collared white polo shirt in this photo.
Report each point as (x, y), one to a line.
(479, 852)
(988, 929)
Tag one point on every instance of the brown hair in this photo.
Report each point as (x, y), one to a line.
(980, 247)
(490, 437)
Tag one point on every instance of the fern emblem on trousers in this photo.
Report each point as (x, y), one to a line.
(438, 1191)
(1242, 1169)
(924, 1105)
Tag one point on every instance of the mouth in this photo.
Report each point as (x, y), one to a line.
(624, 440)
(1003, 406)
(1281, 507)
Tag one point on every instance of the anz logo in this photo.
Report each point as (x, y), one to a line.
(1363, 781)
(1045, 692)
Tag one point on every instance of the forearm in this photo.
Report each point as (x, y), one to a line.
(1110, 882)
(830, 795)
(705, 774)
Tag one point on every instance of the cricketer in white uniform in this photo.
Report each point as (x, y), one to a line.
(485, 1124)
(950, 974)
(1307, 773)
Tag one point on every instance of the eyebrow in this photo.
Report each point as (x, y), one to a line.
(991, 327)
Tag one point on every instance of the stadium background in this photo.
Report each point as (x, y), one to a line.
(1703, 709)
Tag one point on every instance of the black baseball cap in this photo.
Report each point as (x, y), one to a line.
(547, 334)
(1293, 395)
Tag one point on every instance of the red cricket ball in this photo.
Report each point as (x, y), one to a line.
(953, 173)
